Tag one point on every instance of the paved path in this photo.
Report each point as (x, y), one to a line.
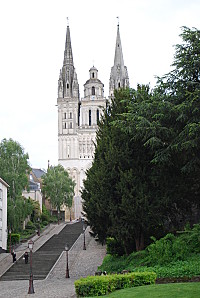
(81, 263)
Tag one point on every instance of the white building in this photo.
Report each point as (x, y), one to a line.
(78, 118)
(3, 214)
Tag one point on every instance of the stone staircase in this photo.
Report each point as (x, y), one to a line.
(46, 256)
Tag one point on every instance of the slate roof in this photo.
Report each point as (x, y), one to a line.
(38, 172)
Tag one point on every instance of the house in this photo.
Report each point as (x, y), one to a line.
(35, 185)
(3, 215)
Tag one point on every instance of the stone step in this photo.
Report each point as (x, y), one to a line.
(46, 256)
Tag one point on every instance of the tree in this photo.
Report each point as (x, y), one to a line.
(14, 167)
(145, 176)
(58, 186)
(117, 192)
(182, 88)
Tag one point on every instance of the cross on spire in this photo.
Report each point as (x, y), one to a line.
(118, 21)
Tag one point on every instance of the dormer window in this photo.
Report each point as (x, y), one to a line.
(93, 90)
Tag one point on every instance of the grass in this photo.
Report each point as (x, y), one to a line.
(177, 290)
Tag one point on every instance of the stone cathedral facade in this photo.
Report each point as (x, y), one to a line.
(78, 117)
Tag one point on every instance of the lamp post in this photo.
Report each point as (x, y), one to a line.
(38, 231)
(84, 246)
(58, 216)
(31, 288)
(10, 231)
(67, 267)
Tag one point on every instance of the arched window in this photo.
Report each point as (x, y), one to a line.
(70, 115)
(93, 90)
(119, 85)
(67, 85)
(97, 116)
(70, 125)
(93, 75)
(89, 117)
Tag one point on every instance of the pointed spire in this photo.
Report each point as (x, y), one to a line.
(68, 83)
(68, 57)
(118, 50)
(119, 74)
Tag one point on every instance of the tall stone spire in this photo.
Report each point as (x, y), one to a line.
(118, 51)
(68, 57)
(68, 83)
(119, 74)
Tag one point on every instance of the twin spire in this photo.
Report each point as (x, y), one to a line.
(68, 83)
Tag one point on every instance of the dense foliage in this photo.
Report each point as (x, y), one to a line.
(58, 187)
(18, 211)
(170, 256)
(14, 167)
(102, 285)
(147, 158)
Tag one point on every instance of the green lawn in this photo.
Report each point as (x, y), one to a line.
(178, 290)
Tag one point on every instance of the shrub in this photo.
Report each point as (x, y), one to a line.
(15, 238)
(167, 249)
(102, 285)
(30, 225)
(113, 247)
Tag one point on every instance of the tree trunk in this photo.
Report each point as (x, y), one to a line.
(139, 241)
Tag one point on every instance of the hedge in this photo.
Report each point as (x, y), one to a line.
(102, 285)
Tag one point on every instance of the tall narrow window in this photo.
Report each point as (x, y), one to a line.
(93, 90)
(67, 86)
(64, 115)
(67, 150)
(65, 125)
(97, 116)
(89, 117)
(93, 75)
(70, 115)
(119, 85)
(70, 125)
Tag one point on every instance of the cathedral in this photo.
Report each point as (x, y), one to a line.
(78, 117)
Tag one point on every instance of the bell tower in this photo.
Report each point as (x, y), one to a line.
(68, 102)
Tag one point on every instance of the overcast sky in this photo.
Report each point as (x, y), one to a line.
(33, 34)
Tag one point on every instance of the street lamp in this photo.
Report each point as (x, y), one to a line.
(31, 288)
(10, 231)
(84, 246)
(38, 231)
(67, 267)
(58, 216)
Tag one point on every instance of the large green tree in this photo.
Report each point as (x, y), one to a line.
(14, 167)
(119, 194)
(58, 186)
(145, 175)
